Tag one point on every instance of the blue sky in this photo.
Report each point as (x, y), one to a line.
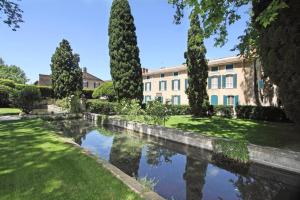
(85, 24)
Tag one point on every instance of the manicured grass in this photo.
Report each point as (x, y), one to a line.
(36, 164)
(281, 135)
(9, 111)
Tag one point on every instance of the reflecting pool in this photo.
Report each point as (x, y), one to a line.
(181, 172)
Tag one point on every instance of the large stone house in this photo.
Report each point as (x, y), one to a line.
(89, 81)
(230, 82)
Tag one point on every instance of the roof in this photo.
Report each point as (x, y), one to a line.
(211, 63)
(86, 75)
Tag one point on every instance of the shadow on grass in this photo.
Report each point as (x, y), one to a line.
(281, 135)
(36, 164)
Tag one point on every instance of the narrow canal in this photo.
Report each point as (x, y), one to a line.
(180, 172)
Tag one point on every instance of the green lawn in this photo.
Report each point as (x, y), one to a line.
(281, 135)
(36, 164)
(9, 111)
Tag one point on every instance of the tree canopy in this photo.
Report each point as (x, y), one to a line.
(12, 72)
(66, 74)
(125, 64)
(11, 13)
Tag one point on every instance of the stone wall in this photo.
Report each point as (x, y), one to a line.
(278, 158)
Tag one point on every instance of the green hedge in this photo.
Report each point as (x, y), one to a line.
(102, 107)
(224, 111)
(46, 92)
(88, 93)
(8, 83)
(266, 113)
(4, 96)
(179, 110)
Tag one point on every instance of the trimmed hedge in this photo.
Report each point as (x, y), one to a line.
(224, 111)
(266, 113)
(179, 110)
(46, 91)
(102, 107)
(8, 83)
(4, 96)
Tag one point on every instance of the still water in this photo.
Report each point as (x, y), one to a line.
(181, 172)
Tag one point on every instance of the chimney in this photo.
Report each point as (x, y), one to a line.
(84, 70)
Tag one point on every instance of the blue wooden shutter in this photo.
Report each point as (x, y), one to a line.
(235, 81)
(209, 82)
(225, 100)
(178, 84)
(165, 85)
(219, 82)
(160, 85)
(223, 81)
(172, 84)
(186, 84)
(236, 100)
(150, 86)
(179, 100)
(214, 100)
(172, 100)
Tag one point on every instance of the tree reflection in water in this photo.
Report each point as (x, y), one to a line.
(156, 155)
(126, 153)
(194, 176)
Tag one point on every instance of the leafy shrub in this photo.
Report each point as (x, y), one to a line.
(88, 93)
(27, 97)
(72, 103)
(46, 92)
(157, 112)
(105, 90)
(224, 111)
(4, 96)
(130, 108)
(8, 83)
(102, 107)
(266, 113)
(235, 150)
(179, 109)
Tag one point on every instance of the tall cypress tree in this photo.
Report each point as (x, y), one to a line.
(197, 67)
(125, 64)
(66, 73)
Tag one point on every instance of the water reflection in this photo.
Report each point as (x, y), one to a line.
(182, 172)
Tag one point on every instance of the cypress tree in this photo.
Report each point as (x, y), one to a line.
(125, 64)
(197, 67)
(66, 73)
(279, 50)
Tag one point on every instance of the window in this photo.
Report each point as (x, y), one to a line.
(176, 85)
(148, 77)
(85, 84)
(214, 69)
(176, 100)
(162, 85)
(214, 83)
(229, 81)
(175, 74)
(186, 83)
(148, 86)
(229, 67)
(230, 100)
(162, 75)
(214, 100)
(147, 99)
(160, 99)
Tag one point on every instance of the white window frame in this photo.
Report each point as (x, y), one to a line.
(176, 81)
(229, 70)
(230, 100)
(214, 71)
(175, 75)
(147, 87)
(229, 84)
(162, 75)
(214, 82)
(163, 85)
(177, 100)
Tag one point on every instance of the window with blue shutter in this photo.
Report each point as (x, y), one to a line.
(236, 100)
(178, 84)
(235, 81)
(219, 82)
(186, 84)
(172, 84)
(214, 100)
(261, 84)
(225, 100)
(209, 83)
(223, 81)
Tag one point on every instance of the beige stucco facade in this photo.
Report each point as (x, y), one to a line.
(230, 82)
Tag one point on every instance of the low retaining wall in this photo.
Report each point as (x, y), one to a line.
(278, 158)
